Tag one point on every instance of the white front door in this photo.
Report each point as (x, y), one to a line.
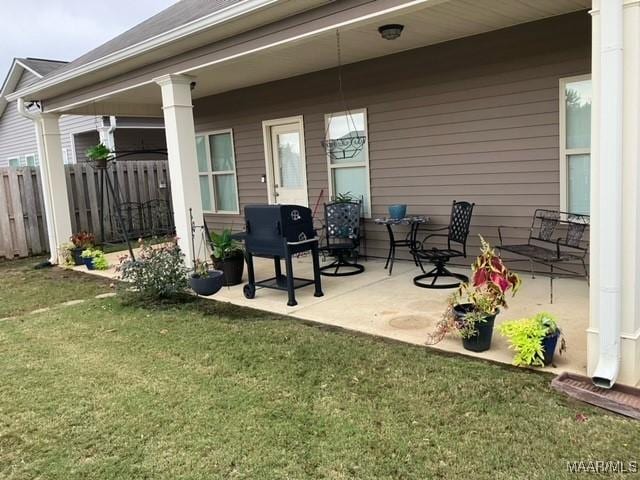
(286, 162)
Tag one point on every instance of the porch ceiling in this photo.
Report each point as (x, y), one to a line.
(426, 23)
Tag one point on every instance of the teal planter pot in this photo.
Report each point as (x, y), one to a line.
(398, 211)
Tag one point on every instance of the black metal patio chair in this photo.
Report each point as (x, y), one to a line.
(342, 238)
(456, 232)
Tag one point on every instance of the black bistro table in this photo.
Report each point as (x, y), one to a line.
(409, 240)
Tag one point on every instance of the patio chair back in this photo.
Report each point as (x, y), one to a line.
(459, 224)
(342, 222)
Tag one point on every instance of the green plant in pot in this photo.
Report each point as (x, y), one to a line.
(81, 241)
(472, 308)
(95, 259)
(99, 154)
(228, 256)
(534, 339)
(205, 281)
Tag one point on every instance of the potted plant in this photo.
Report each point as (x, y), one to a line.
(472, 308)
(346, 197)
(95, 259)
(533, 339)
(228, 256)
(99, 154)
(204, 281)
(81, 241)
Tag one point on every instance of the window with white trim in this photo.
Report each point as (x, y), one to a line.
(349, 175)
(31, 160)
(14, 162)
(575, 144)
(217, 172)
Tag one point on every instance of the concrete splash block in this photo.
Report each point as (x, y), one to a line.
(620, 399)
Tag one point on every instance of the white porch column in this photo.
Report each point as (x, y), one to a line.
(183, 162)
(622, 203)
(54, 183)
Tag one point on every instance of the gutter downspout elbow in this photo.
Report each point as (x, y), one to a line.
(610, 193)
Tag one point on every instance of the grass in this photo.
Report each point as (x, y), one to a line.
(23, 288)
(205, 390)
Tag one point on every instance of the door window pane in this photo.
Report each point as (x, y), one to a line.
(352, 180)
(579, 179)
(205, 193)
(343, 126)
(225, 188)
(221, 152)
(201, 151)
(578, 114)
(289, 160)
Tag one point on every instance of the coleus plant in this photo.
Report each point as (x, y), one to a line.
(486, 292)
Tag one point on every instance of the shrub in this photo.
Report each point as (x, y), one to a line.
(158, 272)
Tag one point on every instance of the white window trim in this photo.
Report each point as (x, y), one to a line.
(211, 173)
(564, 151)
(35, 157)
(365, 163)
(268, 154)
(14, 158)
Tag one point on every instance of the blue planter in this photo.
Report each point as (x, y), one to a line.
(398, 211)
(89, 263)
(207, 285)
(549, 344)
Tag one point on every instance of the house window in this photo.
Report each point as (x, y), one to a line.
(349, 175)
(575, 144)
(217, 172)
(14, 162)
(31, 160)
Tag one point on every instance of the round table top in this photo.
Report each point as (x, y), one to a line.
(402, 221)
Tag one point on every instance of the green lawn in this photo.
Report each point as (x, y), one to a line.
(103, 390)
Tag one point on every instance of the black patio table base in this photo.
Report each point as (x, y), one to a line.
(409, 241)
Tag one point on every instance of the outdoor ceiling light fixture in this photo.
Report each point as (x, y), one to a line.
(391, 31)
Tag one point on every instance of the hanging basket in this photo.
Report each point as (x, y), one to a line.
(344, 148)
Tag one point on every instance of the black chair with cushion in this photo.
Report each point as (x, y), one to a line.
(456, 233)
(342, 238)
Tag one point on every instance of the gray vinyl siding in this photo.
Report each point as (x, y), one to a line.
(17, 134)
(472, 119)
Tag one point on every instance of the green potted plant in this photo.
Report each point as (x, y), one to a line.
(472, 308)
(534, 339)
(81, 241)
(95, 259)
(205, 281)
(228, 256)
(346, 197)
(99, 154)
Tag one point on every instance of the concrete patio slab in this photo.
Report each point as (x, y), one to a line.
(391, 306)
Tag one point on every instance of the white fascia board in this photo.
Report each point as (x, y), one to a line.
(195, 26)
(11, 81)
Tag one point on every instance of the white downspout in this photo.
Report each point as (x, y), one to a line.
(44, 175)
(610, 198)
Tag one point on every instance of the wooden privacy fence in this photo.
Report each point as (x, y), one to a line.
(23, 229)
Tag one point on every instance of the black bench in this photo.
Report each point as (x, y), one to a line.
(554, 238)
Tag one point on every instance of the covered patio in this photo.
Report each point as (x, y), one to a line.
(468, 103)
